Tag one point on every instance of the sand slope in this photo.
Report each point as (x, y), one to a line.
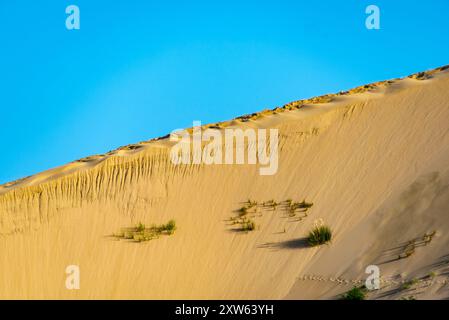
(374, 161)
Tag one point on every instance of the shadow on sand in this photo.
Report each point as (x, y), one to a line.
(300, 243)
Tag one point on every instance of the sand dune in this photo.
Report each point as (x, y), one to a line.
(373, 160)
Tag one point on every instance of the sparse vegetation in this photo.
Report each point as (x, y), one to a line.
(252, 209)
(271, 204)
(248, 225)
(320, 234)
(409, 248)
(140, 233)
(301, 207)
(356, 293)
(170, 227)
(407, 285)
(421, 76)
(140, 227)
(242, 211)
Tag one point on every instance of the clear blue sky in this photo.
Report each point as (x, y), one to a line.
(139, 69)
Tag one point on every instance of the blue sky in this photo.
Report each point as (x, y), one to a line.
(139, 69)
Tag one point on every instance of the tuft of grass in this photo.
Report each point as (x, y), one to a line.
(248, 225)
(421, 76)
(305, 205)
(140, 233)
(409, 249)
(127, 235)
(410, 284)
(252, 209)
(302, 207)
(169, 227)
(356, 293)
(243, 211)
(140, 227)
(319, 235)
(427, 238)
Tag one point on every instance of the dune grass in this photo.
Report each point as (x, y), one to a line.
(297, 207)
(140, 233)
(253, 209)
(248, 225)
(356, 293)
(319, 235)
(409, 249)
(410, 284)
(169, 227)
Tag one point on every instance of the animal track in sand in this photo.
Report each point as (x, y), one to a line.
(385, 282)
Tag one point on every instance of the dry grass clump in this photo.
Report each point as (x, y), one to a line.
(270, 204)
(315, 100)
(140, 233)
(135, 146)
(421, 76)
(362, 89)
(213, 126)
(90, 158)
(356, 293)
(255, 115)
(409, 248)
(294, 105)
(245, 223)
(321, 99)
(294, 208)
(410, 284)
(252, 209)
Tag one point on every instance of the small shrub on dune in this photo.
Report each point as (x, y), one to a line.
(128, 235)
(320, 234)
(140, 233)
(356, 293)
(248, 225)
(170, 227)
(410, 284)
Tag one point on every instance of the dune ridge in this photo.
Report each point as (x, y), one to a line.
(374, 161)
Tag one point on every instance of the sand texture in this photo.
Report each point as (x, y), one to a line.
(374, 161)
